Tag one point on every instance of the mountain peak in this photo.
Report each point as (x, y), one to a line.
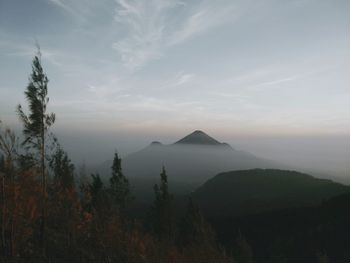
(198, 137)
(198, 132)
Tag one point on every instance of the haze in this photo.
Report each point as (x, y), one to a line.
(268, 77)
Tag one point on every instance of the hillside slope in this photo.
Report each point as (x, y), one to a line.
(253, 191)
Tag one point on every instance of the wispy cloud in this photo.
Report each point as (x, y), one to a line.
(184, 78)
(277, 81)
(81, 10)
(152, 28)
(146, 29)
(63, 5)
(179, 79)
(145, 23)
(203, 18)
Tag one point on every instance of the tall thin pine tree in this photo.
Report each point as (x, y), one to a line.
(36, 125)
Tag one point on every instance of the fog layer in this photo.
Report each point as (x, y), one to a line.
(323, 156)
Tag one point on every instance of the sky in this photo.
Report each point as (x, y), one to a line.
(129, 71)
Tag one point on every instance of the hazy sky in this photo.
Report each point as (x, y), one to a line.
(136, 67)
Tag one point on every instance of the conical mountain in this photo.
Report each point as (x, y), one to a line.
(198, 137)
(193, 159)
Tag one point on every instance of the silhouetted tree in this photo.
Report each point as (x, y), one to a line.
(198, 238)
(119, 185)
(194, 226)
(82, 175)
(244, 250)
(63, 216)
(2, 163)
(322, 257)
(162, 210)
(8, 148)
(36, 125)
(63, 169)
(8, 151)
(99, 198)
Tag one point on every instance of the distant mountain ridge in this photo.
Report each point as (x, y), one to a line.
(194, 158)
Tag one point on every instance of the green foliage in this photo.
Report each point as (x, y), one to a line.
(2, 163)
(195, 229)
(262, 190)
(162, 209)
(35, 130)
(64, 211)
(37, 122)
(198, 238)
(119, 186)
(322, 257)
(8, 147)
(96, 190)
(63, 169)
(99, 202)
(82, 175)
(162, 195)
(244, 252)
(26, 161)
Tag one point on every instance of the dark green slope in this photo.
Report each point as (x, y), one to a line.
(294, 234)
(252, 191)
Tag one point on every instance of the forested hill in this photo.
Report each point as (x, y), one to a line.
(314, 234)
(251, 191)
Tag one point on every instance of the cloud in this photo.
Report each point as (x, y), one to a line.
(146, 29)
(277, 81)
(184, 78)
(63, 5)
(82, 10)
(145, 22)
(107, 91)
(152, 27)
(179, 79)
(204, 18)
